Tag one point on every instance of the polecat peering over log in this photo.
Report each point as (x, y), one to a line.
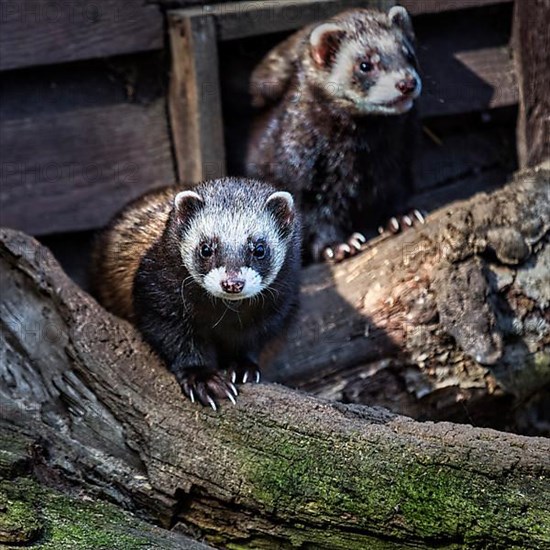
(339, 125)
(210, 276)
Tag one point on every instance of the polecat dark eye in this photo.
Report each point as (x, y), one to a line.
(206, 251)
(365, 67)
(259, 251)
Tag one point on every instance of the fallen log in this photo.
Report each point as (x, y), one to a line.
(32, 514)
(449, 322)
(281, 468)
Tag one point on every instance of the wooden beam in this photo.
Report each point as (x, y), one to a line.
(467, 81)
(243, 19)
(75, 172)
(194, 98)
(42, 32)
(418, 7)
(532, 58)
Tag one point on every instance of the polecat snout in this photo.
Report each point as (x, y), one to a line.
(328, 90)
(210, 276)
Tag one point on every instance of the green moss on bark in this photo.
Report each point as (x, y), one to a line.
(412, 499)
(19, 522)
(29, 512)
(65, 522)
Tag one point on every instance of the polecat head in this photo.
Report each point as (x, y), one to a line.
(235, 235)
(365, 60)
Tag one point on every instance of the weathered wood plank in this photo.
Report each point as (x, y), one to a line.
(468, 81)
(79, 143)
(458, 155)
(194, 99)
(74, 172)
(417, 7)
(532, 56)
(242, 19)
(42, 32)
(466, 62)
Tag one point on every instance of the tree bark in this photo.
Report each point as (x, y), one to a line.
(32, 514)
(449, 322)
(281, 468)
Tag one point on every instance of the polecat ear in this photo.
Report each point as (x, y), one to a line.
(400, 17)
(281, 205)
(325, 42)
(186, 204)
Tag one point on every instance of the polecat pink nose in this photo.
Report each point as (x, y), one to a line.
(232, 286)
(408, 85)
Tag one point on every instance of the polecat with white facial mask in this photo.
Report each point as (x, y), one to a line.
(210, 276)
(338, 125)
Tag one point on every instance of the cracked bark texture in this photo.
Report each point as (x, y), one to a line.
(284, 469)
(449, 322)
(34, 515)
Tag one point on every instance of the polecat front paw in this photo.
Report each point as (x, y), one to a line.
(207, 387)
(397, 224)
(241, 373)
(338, 252)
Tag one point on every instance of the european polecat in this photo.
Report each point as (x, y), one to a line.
(339, 125)
(210, 276)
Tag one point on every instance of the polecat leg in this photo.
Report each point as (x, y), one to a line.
(397, 224)
(206, 386)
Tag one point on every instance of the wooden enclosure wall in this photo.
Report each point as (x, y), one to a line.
(84, 112)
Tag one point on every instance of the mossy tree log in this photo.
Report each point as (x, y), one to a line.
(281, 468)
(32, 514)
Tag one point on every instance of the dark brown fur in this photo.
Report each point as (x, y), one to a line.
(121, 247)
(349, 171)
